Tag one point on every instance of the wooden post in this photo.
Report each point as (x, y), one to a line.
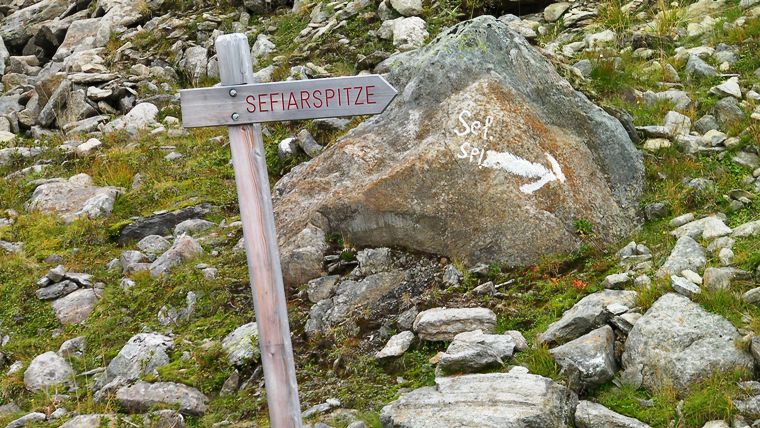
(249, 162)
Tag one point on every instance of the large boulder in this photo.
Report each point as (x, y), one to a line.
(589, 313)
(487, 155)
(47, 371)
(678, 343)
(499, 400)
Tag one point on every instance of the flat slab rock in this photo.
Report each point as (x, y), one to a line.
(678, 343)
(443, 324)
(144, 396)
(586, 315)
(500, 400)
(409, 177)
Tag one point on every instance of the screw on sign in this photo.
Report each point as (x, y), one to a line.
(241, 106)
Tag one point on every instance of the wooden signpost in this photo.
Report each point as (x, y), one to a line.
(241, 106)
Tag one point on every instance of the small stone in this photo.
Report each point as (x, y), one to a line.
(308, 144)
(241, 345)
(48, 370)
(407, 7)
(442, 324)
(143, 396)
(27, 419)
(681, 220)
(752, 296)
(656, 210)
(473, 350)
(521, 344)
(691, 276)
(555, 11)
(287, 148)
(396, 345)
(88, 147)
(589, 360)
(683, 286)
(616, 281)
(726, 256)
(728, 88)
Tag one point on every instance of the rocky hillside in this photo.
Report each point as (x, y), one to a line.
(555, 224)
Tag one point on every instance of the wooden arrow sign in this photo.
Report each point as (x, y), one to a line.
(279, 101)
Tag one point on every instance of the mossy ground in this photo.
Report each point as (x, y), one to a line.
(335, 364)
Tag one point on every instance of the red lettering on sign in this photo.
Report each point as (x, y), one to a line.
(250, 100)
(292, 101)
(318, 97)
(370, 94)
(305, 99)
(329, 94)
(262, 101)
(358, 95)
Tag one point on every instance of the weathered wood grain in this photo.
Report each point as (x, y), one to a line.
(249, 162)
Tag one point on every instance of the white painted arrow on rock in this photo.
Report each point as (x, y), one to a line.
(524, 168)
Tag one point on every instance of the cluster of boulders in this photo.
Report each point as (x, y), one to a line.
(142, 356)
(370, 294)
(74, 294)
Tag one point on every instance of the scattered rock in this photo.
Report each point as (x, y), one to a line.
(184, 248)
(503, 400)
(27, 419)
(242, 345)
(684, 287)
(48, 372)
(678, 343)
(588, 314)
(73, 198)
(589, 360)
(76, 307)
(473, 350)
(142, 355)
(687, 254)
(443, 324)
(593, 415)
(396, 346)
(322, 288)
(144, 396)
